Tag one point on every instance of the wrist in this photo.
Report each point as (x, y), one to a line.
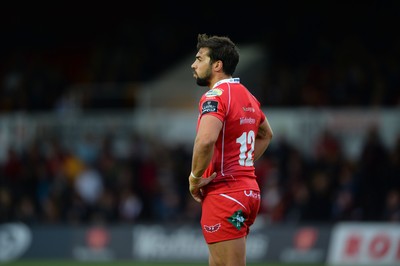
(195, 177)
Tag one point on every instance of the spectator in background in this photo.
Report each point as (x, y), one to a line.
(88, 148)
(12, 169)
(271, 197)
(391, 209)
(328, 151)
(373, 175)
(394, 181)
(26, 211)
(344, 194)
(320, 203)
(297, 203)
(106, 209)
(89, 185)
(130, 206)
(6, 204)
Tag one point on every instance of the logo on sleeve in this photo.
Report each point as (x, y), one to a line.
(209, 106)
(214, 92)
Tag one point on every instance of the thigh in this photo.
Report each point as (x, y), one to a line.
(228, 216)
(230, 252)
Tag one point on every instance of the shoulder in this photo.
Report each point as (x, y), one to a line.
(219, 94)
(215, 92)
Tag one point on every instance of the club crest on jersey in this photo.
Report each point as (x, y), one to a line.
(212, 228)
(214, 92)
(237, 219)
(209, 106)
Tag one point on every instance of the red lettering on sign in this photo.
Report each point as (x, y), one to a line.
(379, 246)
(352, 246)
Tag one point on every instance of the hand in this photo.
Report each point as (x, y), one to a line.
(195, 185)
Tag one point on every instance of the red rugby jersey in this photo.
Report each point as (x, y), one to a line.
(241, 115)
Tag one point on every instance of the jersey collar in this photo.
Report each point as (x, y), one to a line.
(230, 80)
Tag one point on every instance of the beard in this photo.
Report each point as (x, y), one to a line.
(204, 81)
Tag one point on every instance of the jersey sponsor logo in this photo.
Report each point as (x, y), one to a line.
(249, 109)
(214, 92)
(237, 219)
(212, 228)
(252, 194)
(209, 106)
(247, 120)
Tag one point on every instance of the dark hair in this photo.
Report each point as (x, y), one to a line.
(221, 48)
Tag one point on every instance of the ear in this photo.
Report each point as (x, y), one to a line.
(218, 65)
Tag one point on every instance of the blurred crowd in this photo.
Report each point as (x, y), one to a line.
(95, 182)
(318, 55)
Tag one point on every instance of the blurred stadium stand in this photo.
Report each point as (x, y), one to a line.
(77, 103)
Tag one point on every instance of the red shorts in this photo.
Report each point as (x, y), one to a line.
(229, 215)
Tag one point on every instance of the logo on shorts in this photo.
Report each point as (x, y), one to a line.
(237, 219)
(212, 228)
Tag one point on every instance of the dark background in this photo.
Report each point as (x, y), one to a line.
(320, 44)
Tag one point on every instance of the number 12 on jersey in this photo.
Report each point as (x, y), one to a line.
(246, 141)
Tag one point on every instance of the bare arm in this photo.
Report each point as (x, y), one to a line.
(207, 135)
(203, 149)
(263, 139)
